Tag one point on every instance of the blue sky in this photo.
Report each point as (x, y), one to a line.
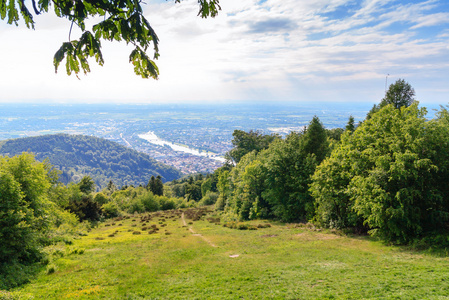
(271, 50)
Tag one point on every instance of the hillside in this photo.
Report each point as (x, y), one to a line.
(198, 259)
(103, 160)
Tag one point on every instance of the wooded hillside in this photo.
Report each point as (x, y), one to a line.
(103, 160)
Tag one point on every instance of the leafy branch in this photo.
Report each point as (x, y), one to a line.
(123, 21)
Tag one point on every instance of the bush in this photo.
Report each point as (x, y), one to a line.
(165, 203)
(110, 210)
(78, 251)
(220, 204)
(149, 202)
(85, 208)
(209, 199)
(51, 269)
(14, 274)
(101, 198)
(24, 208)
(136, 206)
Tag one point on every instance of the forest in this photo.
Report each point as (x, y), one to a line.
(385, 177)
(102, 160)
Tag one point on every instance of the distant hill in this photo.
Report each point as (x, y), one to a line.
(103, 160)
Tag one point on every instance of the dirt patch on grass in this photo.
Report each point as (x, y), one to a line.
(317, 236)
(268, 235)
(194, 233)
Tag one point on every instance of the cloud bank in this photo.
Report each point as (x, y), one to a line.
(338, 50)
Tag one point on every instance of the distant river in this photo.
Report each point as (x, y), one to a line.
(152, 138)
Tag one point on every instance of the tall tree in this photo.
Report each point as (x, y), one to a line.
(151, 186)
(158, 186)
(193, 189)
(24, 208)
(245, 142)
(399, 94)
(350, 126)
(111, 187)
(288, 169)
(315, 139)
(86, 185)
(391, 172)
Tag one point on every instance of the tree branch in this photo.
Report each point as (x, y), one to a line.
(38, 12)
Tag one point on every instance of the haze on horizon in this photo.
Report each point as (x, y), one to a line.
(269, 50)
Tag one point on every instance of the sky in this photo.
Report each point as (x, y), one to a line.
(268, 50)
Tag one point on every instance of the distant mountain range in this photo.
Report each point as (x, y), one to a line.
(103, 160)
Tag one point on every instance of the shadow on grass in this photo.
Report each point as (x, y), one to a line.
(15, 274)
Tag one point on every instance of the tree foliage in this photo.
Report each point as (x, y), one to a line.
(120, 21)
(315, 139)
(390, 173)
(81, 200)
(274, 182)
(246, 142)
(289, 166)
(156, 186)
(350, 126)
(400, 94)
(86, 185)
(78, 156)
(26, 212)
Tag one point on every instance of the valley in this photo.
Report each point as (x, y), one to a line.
(203, 128)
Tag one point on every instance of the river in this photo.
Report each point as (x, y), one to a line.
(154, 139)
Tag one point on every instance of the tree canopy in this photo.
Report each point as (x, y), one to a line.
(399, 94)
(101, 159)
(389, 174)
(272, 175)
(245, 142)
(120, 21)
(24, 208)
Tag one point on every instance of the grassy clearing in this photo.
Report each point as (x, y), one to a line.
(279, 262)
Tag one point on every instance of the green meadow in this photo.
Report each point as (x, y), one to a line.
(168, 255)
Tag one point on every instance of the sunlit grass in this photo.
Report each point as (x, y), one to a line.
(280, 262)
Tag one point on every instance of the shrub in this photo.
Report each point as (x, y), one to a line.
(51, 269)
(101, 198)
(209, 199)
(14, 274)
(78, 251)
(165, 203)
(220, 204)
(149, 202)
(136, 206)
(110, 210)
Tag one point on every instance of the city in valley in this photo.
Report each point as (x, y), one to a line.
(190, 137)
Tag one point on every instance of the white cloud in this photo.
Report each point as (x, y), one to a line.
(275, 50)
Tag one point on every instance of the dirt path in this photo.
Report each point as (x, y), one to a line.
(197, 234)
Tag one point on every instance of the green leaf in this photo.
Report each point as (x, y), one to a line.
(13, 15)
(125, 21)
(61, 53)
(3, 9)
(43, 5)
(27, 17)
(143, 66)
(208, 8)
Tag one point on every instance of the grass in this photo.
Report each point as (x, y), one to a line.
(277, 262)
